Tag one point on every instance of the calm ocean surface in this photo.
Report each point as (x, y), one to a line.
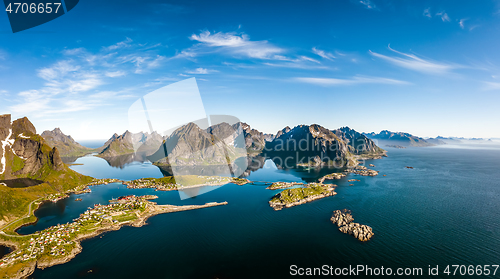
(445, 211)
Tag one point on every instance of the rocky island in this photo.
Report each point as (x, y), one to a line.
(344, 220)
(363, 171)
(332, 176)
(179, 182)
(283, 185)
(298, 196)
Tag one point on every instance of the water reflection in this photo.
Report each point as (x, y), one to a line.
(20, 182)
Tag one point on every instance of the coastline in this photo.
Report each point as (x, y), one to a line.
(141, 221)
(22, 268)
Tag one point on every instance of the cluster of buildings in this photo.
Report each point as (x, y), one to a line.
(152, 183)
(54, 241)
(59, 240)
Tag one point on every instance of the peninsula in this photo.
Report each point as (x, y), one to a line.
(59, 244)
(180, 182)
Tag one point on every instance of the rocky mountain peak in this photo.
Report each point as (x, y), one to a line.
(23, 126)
(21, 143)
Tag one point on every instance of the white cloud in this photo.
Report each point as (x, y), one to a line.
(444, 16)
(461, 22)
(412, 62)
(74, 82)
(368, 4)
(58, 70)
(296, 65)
(122, 44)
(351, 81)
(201, 71)
(474, 27)
(239, 45)
(427, 13)
(221, 39)
(115, 74)
(74, 51)
(323, 53)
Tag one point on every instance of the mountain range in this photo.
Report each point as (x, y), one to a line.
(66, 145)
(316, 145)
(386, 137)
(130, 143)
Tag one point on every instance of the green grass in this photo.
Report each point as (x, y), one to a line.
(125, 217)
(189, 180)
(296, 194)
(14, 201)
(17, 164)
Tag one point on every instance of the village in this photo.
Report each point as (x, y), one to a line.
(58, 244)
(57, 241)
(80, 189)
(171, 183)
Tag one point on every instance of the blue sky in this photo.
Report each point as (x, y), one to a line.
(425, 67)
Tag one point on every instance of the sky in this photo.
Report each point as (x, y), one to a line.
(424, 67)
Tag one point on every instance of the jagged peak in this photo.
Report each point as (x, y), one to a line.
(23, 126)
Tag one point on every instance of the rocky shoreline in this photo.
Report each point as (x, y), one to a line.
(26, 265)
(283, 185)
(363, 171)
(344, 220)
(332, 176)
(297, 196)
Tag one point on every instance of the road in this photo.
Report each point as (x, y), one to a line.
(27, 215)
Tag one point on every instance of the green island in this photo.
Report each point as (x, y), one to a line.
(283, 185)
(59, 244)
(170, 183)
(297, 196)
(332, 176)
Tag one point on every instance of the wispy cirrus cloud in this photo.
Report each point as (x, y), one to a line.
(323, 54)
(427, 13)
(461, 22)
(74, 82)
(235, 44)
(368, 4)
(201, 71)
(350, 81)
(444, 16)
(122, 44)
(115, 74)
(415, 63)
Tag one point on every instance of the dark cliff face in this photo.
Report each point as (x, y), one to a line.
(23, 126)
(309, 143)
(26, 154)
(357, 142)
(5, 126)
(217, 150)
(190, 145)
(255, 141)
